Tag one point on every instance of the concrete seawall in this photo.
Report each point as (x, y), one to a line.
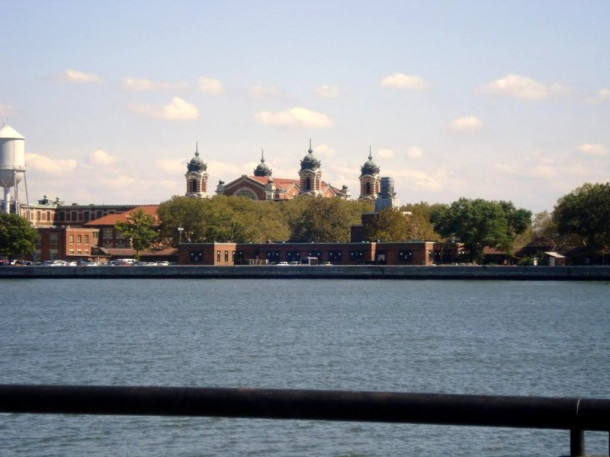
(590, 273)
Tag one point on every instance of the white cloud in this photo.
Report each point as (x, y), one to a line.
(593, 149)
(101, 157)
(385, 153)
(466, 124)
(517, 86)
(601, 96)
(210, 85)
(415, 152)
(178, 109)
(6, 110)
(328, 91)
(172, 166)
(119, 182)
(48, 165)
(79, 77)
(258, 92)
(402, 81)
(148, 85)
(294, 117)
(420, 179)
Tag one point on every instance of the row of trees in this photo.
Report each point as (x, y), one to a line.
(242, 220)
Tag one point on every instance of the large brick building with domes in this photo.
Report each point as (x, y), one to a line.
(261, 185)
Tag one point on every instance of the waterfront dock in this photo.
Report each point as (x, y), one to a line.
(572, 273)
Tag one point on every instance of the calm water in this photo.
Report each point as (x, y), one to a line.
(513, 338)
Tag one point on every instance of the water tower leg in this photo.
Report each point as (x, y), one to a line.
(7, 203)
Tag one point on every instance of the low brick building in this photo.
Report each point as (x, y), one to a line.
(402, 253)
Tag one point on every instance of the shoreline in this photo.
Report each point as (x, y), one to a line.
(441, 272)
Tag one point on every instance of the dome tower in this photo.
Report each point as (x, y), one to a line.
(310, 174)
(370, 181)
(262, 169)
(197, 177)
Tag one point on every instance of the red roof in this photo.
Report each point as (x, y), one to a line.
(112, 219)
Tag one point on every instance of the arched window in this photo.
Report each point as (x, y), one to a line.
(194, 185)
(246, 193)
(367, 188)
(308, 183)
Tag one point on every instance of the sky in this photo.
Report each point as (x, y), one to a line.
(501, 100)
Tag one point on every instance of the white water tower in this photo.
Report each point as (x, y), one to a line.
(12, 165)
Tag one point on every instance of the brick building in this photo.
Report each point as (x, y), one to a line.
(225, 254)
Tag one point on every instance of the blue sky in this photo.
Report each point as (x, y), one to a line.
(494, 100)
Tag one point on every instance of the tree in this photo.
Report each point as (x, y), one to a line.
(221, 219)
(517, 222)
(319, 219)
(17, 236)
(480, 223)
(420, 227)
(586, 212)
(140, 229)
(389, 224)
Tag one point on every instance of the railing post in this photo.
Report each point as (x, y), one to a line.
(577, 442)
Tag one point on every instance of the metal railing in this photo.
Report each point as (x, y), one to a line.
(573, 414)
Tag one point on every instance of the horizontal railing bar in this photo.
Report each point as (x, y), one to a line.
(422, 408)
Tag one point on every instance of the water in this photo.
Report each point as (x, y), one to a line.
(471, 337)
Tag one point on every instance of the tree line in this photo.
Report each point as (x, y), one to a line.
(580, 218)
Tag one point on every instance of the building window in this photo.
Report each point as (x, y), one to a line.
(53, 239)
(38, 215)
(226, 256)
(196, 256)
(71, 238)
(356, 256)
(317, 254)
(335, 256)
(49, 216)
(79, 239)
(273, 256)
(71, 251)
(405, 256)
(217, 256)
(293, 256)
(87, 216)
(246, 193)
(86, 239)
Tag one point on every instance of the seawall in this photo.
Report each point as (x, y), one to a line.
(584, 273)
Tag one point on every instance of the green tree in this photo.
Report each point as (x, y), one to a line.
(17, 236)
(389, 224)
(221, 219)
(140, 229)
(585, 212)
(518, 220)
(480, 223)
(318, 219)
(420, 227)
